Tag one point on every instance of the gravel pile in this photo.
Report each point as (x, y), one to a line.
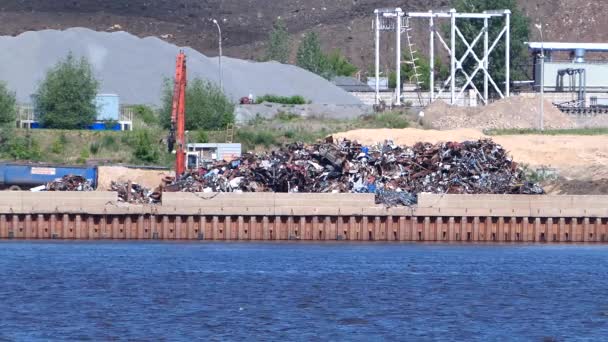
(510, 113)
(135, 68)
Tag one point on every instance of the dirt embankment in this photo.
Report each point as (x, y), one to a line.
(343, 24)
(510, 113)
(574, 157)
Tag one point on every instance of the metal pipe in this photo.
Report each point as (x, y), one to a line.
(432, 57)
(453, 55)
(486, 39)
(508, 54)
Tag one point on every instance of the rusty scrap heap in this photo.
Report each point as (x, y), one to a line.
(69, 183)
(134, 193)
(395, 173)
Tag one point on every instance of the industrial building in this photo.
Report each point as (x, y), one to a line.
(573, 75)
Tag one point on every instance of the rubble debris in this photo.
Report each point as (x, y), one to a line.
(69, 183)
(134, 193)
(396, 174)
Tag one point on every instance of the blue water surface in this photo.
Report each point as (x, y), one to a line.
(302, 292)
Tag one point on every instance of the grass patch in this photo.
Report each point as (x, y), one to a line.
(147, 146)
(286, 116)
(527, 131)
(286, 128)
(388, 120)
(79, 147)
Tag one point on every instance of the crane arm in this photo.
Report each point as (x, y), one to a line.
(178, 115)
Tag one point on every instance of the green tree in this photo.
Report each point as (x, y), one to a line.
(7, 106)
(66, 97)
(207, 107)
(278, 43)
(311, 57)
(11, 146)
(339, 65)
(520, 32)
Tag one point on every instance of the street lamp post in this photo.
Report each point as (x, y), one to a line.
(219, 30)
(542, 77)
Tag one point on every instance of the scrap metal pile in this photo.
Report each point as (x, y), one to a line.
(134, 193)
(396, 174)
(68, 183)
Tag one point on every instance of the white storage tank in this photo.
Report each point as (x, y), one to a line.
(108, 107)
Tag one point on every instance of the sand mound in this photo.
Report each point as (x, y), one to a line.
(513, 112)
(409, 136)
(581, 157)
(145, 177)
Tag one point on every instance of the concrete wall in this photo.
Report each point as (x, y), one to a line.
(267, 216)
(369, 98)
(246, 113)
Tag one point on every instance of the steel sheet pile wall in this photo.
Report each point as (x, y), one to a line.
(267, 216)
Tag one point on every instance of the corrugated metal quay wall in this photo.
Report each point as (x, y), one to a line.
(264, 216)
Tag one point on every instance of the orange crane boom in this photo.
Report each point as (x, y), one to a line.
(178, 116)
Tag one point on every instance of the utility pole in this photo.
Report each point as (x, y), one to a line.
(542, 77)
(219, 30)
(377, 66)
(399, 16)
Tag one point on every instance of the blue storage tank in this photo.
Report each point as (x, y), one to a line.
(108, 107)
(25, 175)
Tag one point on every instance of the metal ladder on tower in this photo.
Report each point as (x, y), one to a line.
(416, 76)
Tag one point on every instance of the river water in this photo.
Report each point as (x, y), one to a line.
(301, 291)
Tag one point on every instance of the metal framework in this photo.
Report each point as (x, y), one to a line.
(389, 19)
(579, 88)
(386, 19)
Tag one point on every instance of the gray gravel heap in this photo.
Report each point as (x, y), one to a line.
(134, 68)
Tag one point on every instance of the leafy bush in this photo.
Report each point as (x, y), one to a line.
(22, 148)
(200, 137)
(289, 134)
(66, 97)
(146, 114)
(208, 107)
(94, 148)
(58, 146)
(109, 142)
(392, 120)
(288, 100)
(145, 149)
(339, 65)
(84, 154)
(255, 138)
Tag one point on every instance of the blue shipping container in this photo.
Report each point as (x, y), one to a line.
(102, 126)
(108, 107)
(35, 175)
